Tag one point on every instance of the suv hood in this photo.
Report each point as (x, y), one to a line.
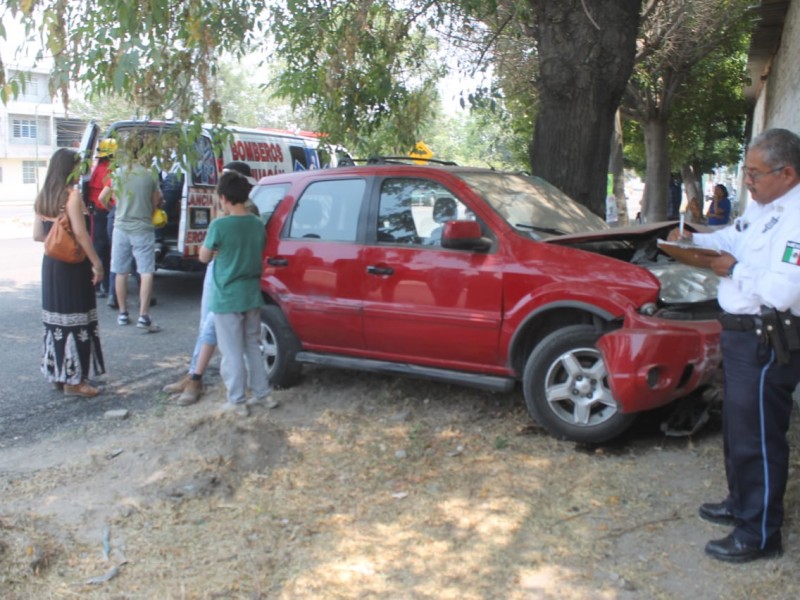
(637, 244)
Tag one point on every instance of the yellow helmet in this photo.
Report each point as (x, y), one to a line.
(159, 218)
(106, 148)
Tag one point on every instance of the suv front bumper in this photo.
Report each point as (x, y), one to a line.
(652, 361)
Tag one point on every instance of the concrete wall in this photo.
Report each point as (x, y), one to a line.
(779, 102)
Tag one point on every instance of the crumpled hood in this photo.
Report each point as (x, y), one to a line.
(680, 284)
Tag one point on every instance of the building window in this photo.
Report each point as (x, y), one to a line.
(25, 130)
(29, 170)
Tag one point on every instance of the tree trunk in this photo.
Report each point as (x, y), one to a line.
(616, 168)
(690, 185)
(586, 54)
(656, 150)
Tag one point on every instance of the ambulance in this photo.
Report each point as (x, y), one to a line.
(188, 184)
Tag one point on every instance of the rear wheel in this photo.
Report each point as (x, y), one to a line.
(566, 388)
(279, 347)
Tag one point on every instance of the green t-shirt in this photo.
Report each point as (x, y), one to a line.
(239, 242)
(133, 189)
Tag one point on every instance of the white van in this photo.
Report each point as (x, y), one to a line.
(190, 198)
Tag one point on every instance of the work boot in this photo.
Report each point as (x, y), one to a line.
(191, 393)
(178, 386)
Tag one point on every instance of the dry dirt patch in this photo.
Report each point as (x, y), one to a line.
(371, 487)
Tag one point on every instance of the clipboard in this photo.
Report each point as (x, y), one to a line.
(689, 254)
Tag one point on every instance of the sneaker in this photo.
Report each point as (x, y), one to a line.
(145, 323)
(123, 318)
(267, 401)
(112, 302)
(240, 409)
(83, 389)
(191, 393)
(177, 387)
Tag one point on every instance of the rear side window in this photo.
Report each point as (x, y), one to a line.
(267, 197)
(328, 210)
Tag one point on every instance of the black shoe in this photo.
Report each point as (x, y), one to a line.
(730, 549)
(153, 301)
(112, 302)
(717, 512)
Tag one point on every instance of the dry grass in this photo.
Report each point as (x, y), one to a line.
(411, 491)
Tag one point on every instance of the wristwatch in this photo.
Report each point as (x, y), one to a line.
(730, 269)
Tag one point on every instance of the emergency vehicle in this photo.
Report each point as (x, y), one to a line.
(190, 199)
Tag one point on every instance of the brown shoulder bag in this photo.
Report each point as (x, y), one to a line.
(61, 243)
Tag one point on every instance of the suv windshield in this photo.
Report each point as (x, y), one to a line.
(531, 204)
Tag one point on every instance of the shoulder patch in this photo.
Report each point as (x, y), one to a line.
(791, 253)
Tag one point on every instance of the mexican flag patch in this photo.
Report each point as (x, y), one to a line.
(791, 254)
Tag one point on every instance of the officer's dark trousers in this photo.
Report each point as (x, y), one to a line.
(755, 418)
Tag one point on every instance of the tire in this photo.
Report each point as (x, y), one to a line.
(279, 347)
(566, 366)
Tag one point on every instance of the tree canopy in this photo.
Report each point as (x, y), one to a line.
(365, 71)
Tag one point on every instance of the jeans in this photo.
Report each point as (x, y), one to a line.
(207, 333)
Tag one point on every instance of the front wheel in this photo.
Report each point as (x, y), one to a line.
(279, 347)
(565, 384)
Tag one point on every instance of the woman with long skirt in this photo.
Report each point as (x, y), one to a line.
(71, 343)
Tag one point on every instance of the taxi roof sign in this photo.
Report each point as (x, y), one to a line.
(422, 152)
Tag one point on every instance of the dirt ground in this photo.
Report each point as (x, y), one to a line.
(364, 486)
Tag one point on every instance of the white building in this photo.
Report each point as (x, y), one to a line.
(32, 127)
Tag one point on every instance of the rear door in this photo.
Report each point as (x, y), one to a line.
(199, 202)
(315, 268)
(91, 135)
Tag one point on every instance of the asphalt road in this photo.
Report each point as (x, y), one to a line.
(137, 364)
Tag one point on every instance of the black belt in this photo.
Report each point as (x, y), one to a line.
(739, 322)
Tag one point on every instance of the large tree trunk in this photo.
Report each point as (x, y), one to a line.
(657, 183)
(586, 54)
(616, 168)
(691, 185)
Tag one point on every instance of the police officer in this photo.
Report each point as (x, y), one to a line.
(760, 294)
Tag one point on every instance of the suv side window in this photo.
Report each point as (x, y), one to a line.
(267, 197)
(328, 210)
(414, 211)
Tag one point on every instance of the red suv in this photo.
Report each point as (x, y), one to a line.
(486, 279)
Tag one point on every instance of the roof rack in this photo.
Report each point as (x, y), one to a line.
(397, 160)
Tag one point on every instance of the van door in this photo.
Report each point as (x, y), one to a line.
(199, 202)
(89, 141)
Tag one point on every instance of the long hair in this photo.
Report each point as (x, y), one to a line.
(62, 174)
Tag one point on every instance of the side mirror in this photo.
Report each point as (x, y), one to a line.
(464, 235)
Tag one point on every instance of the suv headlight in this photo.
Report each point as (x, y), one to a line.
(684, 284)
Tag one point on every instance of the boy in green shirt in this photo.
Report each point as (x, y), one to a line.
(237, 240)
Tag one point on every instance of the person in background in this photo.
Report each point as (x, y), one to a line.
(138, 195)
(69, 307)
(674, 199)
(759, 292)
(236, 243)
(190, 386)
(719, 211)
(99, 179)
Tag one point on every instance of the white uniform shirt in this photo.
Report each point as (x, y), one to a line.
(765, 241)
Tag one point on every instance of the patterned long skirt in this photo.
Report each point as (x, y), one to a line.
(69, 314)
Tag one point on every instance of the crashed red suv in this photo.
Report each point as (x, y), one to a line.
(485, 279)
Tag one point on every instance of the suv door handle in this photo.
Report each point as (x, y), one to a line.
(277, 262)
(373, 270)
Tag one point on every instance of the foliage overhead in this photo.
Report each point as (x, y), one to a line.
(156, 54)
(364, 68)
